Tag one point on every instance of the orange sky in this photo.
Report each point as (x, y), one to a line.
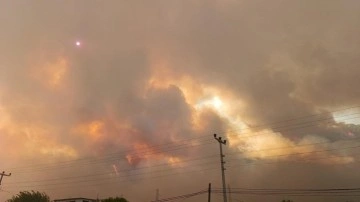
(135, 106)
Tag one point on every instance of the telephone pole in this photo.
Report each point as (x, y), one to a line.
(222, 162)
(2, 175)
(209, 193)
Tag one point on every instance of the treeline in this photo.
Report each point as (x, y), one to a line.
(36, 196)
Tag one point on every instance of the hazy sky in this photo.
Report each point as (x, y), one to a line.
(106, 98)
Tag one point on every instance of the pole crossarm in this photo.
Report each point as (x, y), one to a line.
(2, 175)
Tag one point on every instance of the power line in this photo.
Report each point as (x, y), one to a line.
(269, 124)
(61, 164)
(186, 141)
(200, 158)
(293, 147)
(311, 152)
(293, 192)
(300, 153)
(172, 169)
(147, 151)
(69, 184)
(291, 127)
(190, 146)
(111, 173)
(287, 189)
(72, 183)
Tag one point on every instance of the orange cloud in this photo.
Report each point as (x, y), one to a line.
(143, 151)
(269, 145)
(93, 129)
(163, 75)
(51, 73)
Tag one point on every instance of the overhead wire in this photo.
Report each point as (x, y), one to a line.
(176, 145)
(273, 148)
(212, 156)
(291, 192)
(61, 164)
(289, 127)
(64, 164)
(273, 124)
(205, 163)
(174, 169)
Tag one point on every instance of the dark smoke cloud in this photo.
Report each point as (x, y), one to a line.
(280, 59)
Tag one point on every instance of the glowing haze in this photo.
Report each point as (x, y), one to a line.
(136, 107)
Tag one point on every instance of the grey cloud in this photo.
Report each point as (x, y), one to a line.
(283, 59)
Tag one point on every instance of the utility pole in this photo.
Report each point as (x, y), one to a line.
(222, 162)
(209, 193)
(2, 175)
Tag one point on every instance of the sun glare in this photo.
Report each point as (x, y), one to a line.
(350, 116)
(214, 103)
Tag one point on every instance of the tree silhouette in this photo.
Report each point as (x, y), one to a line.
(33, 196)
(117, 199)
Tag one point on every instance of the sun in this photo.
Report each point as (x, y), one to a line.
(214, 102)
(217, 103)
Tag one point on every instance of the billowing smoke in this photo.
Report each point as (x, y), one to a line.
(152, 81)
